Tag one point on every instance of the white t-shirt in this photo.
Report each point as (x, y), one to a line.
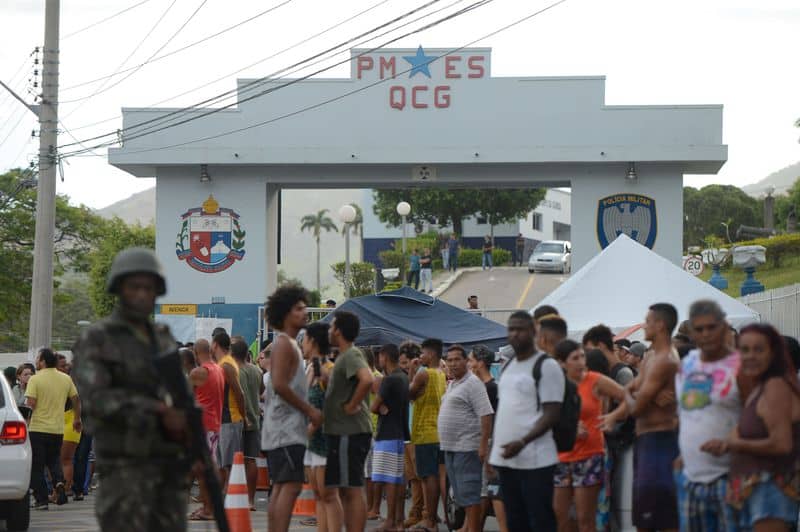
(517, 412)
(708, 407)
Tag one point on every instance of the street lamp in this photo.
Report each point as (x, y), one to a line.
(347, 214)
(403, 209)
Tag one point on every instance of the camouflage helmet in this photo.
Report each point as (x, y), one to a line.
(135, 260)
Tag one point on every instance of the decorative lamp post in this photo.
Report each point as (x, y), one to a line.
(747, 258)
(403, 209)
(347, 214)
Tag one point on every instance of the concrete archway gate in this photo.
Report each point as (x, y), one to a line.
(406, 118)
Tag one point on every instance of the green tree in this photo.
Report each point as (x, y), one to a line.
(706, 212)
(784, 204)
(118, 236)
(362, 277)
(77, 230)
(357, 229)
(72, 304)
(451, 206)
(507, 205)
(316, 223)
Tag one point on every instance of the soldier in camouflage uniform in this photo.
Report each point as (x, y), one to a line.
(140, 441)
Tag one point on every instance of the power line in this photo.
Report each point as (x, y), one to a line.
(13, 82)
(181, 49)
(453, 15)
(92, 25)
(360, 89)
(252, 85)
(135, 49)
(226, 76)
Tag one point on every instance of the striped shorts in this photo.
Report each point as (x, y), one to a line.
(702, 506)
(388, 461)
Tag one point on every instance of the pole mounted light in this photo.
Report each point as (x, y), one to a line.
(404, 209)
(347, 214)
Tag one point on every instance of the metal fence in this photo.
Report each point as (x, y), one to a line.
(779, 306)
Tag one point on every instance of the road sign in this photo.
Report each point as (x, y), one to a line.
(694, 265)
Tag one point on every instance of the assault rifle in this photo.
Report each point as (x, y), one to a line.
(170, 369)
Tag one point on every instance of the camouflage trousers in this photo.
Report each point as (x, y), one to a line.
(141, 497)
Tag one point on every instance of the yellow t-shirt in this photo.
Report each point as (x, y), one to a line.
(233, 406)
(426, 409)
(51, 389)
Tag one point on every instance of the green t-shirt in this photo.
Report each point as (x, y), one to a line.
(342, 384)
(250, 379)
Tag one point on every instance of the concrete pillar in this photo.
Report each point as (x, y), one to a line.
(272, 239)
(660, 183)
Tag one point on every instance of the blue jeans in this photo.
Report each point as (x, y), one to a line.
(528, 498)
(487, 260)
(452, 261)
(80, 478)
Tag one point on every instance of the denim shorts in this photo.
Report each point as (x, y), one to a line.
(464, 470)
(428, 459)
(766, 501)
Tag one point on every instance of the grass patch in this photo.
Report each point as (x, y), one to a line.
(788, 273)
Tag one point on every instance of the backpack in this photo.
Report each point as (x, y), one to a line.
(565, 431)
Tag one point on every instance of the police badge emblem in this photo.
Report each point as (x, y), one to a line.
(632, 214)
(211, 238)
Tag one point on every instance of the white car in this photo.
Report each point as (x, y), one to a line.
(15, 462)
(551, 256)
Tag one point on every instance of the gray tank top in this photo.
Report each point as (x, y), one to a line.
(283, 424)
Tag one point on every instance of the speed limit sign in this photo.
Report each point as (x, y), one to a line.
(694, 265)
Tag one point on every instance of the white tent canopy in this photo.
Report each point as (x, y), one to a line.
(617, 286)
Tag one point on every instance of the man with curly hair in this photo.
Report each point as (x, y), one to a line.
(285, 428)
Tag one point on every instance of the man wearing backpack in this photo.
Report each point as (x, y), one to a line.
(524, 450)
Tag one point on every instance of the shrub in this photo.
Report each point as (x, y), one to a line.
(778, 247)
(362, 277)
(474, 257)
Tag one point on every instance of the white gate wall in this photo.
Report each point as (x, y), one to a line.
(779, 306)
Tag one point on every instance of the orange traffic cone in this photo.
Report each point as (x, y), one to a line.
(306, 504)
(237, 507)
(262, 483)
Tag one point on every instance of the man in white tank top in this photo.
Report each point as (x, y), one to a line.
(288, 413)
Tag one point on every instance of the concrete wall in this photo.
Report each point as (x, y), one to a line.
(662, 183)
(556, 207)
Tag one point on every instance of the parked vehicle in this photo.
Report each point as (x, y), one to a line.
(15, 461)
(551, 256)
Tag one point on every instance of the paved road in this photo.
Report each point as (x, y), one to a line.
(503, 288)
(79, 516)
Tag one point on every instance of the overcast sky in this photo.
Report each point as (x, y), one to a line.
(742, 54)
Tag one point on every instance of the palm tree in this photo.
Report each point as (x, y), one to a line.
(357, 229)
(316, 223)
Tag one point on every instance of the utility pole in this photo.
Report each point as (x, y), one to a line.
(41, 324)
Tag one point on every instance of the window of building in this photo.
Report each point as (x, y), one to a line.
(537, 221)
(481, 220)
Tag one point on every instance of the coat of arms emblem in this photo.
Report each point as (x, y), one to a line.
(632, 214)
(211, 238)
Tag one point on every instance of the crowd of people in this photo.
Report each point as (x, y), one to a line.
(62, 460)
(535, 437)
(734, 463)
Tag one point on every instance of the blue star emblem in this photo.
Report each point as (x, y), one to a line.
(419, 63)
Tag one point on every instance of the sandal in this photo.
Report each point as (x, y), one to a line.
(373, 516)
(198, 515)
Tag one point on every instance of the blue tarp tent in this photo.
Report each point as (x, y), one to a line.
(406, 314)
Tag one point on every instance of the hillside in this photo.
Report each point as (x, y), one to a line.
(782, 180)
(140, 207)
